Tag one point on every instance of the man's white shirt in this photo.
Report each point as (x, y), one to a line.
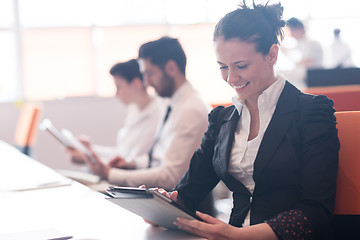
(180, 137)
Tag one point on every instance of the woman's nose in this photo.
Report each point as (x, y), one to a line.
(232, 76)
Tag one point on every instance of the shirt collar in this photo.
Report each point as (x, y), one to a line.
(179, 93)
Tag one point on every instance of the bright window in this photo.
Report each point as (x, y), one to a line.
(63, 48)
(55, 13)
(116, 44)
(10, 88)
(58, 63)
(6, 13)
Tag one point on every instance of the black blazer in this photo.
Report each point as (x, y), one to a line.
(295, 168)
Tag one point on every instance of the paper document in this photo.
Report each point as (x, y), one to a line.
(66, 137)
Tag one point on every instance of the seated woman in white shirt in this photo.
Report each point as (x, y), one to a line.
(143, 114)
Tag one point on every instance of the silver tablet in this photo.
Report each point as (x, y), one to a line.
(150, 205)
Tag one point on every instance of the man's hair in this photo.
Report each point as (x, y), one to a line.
(128, 70)
(160, 51)
(294, 23)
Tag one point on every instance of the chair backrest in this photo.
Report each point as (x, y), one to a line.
(348, 180)
(27, 126)
(225, 104)
(346, 98)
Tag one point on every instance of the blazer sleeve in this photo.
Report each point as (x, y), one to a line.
(201, 178)
(319, 155)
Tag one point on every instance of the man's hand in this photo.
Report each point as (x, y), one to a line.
(119, 162)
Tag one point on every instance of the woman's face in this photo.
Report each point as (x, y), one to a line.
(249, 72)
(124, 91)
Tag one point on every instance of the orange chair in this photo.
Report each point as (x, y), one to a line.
(27, 127)
(225, 104)
(347, 205)
(346, 97)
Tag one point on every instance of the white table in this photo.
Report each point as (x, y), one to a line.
(68, 210)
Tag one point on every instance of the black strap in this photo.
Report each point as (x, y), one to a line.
(158, 135)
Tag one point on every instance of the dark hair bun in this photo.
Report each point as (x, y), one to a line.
(260, 24)
(273, 13)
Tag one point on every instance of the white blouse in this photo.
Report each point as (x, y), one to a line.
(243, 154)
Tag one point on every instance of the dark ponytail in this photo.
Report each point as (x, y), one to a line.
(259, 24)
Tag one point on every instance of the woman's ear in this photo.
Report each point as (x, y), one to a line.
(273, 53)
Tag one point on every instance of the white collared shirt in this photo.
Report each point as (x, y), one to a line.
(243, 154)
(138, 132)
(180, 137)
(340, 54)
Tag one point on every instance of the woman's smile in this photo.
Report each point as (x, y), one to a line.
(237, 87)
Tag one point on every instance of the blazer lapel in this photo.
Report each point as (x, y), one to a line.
(223, 152)
(225, 140)
(283, 116)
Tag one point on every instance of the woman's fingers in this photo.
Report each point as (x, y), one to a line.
(149, 222)
(174, 195)
(163, 192)
(192, 226)
(211, 227)
(208, 218)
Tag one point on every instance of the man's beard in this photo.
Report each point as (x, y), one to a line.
(168, 87)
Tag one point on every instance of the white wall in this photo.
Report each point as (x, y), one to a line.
(100, 118)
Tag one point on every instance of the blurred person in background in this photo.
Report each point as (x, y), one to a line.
(143, 114)
(311, 52)
(162, 63)
(340, 52)
(305, 53)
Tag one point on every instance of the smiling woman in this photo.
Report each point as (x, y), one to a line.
(276, 148)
